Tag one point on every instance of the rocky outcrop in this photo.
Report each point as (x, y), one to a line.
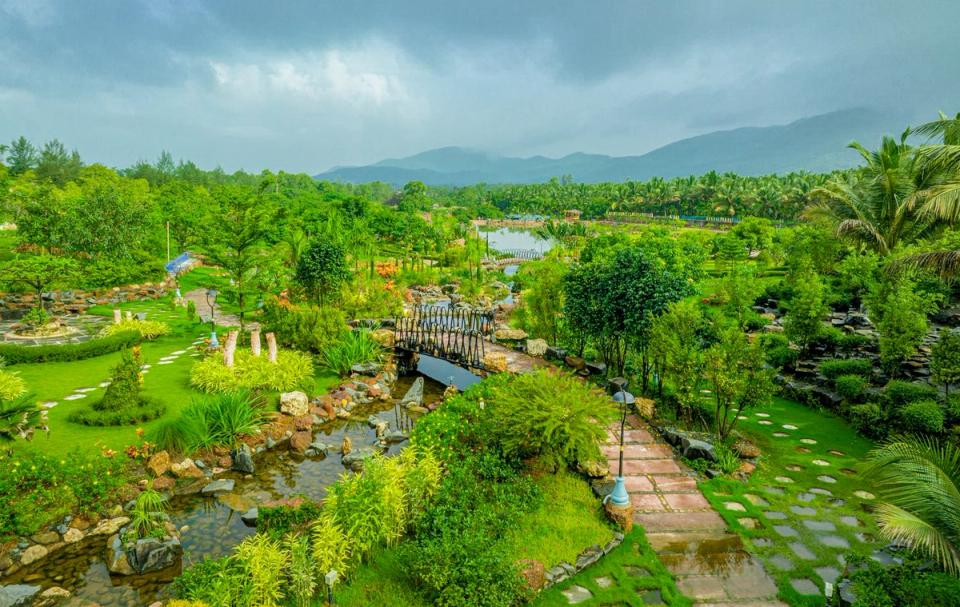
(18, 595)
(72, 301)
(294, 403)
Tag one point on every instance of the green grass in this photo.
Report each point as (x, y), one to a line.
(383, 582)
(633, 570)
(569, 520)
(8, 241)
(780, 458)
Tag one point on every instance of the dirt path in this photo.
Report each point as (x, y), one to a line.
(199, 299)
(710, 563)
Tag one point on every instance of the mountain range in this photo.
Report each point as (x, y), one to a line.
(815, 144)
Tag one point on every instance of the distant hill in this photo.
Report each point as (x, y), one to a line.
(816, 144)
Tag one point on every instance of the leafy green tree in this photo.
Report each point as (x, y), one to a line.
(739, 376)
(56, 165)
(676, 341)
(38, 272)
(543, 299)
(945, 360)
(902, 310)
(740, 288)
(21, 156)
(803, 322)
(185, 207)
(413, 197)
(918, 480)
(322, 267)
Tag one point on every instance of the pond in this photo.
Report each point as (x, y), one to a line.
(512, 239)
(211, 526)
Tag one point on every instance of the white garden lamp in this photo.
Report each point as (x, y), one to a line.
(619, 495)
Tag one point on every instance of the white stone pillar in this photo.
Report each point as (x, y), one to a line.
(129, 315)
(230, 348)
(117, 316)
(255, 342)
(272, 347)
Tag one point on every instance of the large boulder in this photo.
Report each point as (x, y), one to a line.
(537, 347)
(508, 334)
(300, 441)
(218, 486)
(294, 403)
(110, 526)
(243, 459)
(495, 362)
(186, 469)
(368, 369)
(159, 463)
(143, 556)
(414, 396)
(698, 449)
(18, 595)
(355, 459)
(33, 554)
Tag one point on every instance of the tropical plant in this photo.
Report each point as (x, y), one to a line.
(331, 547)
(918, 480)
(11, 384)
(147, 515)
(147, 329)
(265, 562)
(19, 417)
(355, 347)
(211, 421)
(945, 360)
(300, 572)
(291, 371)
(739, 376)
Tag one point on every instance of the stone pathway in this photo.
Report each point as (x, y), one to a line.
(199, 299)
(711, 564)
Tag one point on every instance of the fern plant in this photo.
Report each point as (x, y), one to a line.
(264, 561)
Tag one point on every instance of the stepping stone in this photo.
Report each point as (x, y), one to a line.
(808, 441)
(780, 434)
(74, 397)
(805, 586)
(763, 415)
(864, 495)
(168, 358)
(735, 506)
(145, 366)
(794, 468)
(144, 372)
(179, 352)
(802, 551)
(165, 362)
(749, 523)
(848, 471)
(828, 574)
(838, 503)
(803, 450)
(803, 510)
(756, 500)
(785, 530)
(50, 404)
(781, 562)
(836, 453)
(634, 571)
(577, 594)
(850, 521)
(742, 417)
(103, 384)
(821, 462)
(651, 597)
(820, 491)
(773, 515)
(819, 525)
(806, 498)
(826, 479)
(865, 538)
(783, 479)
(84, 390)
(194, 355)
(833, 541)
(603, 582)
(762, 542)
(789, 427)
(774, 490)
(765, 422)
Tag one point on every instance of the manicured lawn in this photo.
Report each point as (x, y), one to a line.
(806, 506)
(630, 575)
(383, 582)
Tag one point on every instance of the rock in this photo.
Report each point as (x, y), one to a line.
(72, 536)
(320, 447)
(146, 555)
(384, 337)
(698, 449)
(52, 596)
(414, 395)
(509, 334)
(249, 517)
(217, 486)
(534, 573)
(588, 557)
(355, 459)
(300, 441)
(46, 538)
(673, 436)
(537, 347)
(746, 449)
(235, 502)
(164, 483)
(495, 362)
(186, 469)
(17, 595)
(159, 463)
(242, 459)
(395, 436)
(596, 368)
(32, 554)
(294, 403)
(304, 422)
(593, 469)
(368, 369)
(575, 362)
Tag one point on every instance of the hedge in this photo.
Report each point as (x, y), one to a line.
(14, 354)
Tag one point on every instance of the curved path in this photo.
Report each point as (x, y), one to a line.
(710, 563)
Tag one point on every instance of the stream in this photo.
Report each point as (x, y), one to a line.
(210, 527)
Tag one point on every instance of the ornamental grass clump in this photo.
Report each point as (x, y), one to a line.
(147, 329)
(291, 371)
(355, 347)
(212, 421)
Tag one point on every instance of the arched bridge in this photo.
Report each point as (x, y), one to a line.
(457, 336)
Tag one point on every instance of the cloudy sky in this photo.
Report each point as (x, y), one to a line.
(303, 85)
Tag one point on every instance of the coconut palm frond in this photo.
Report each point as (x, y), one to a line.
(863, 230)
(19, 417)
(948, 129)
(902, 527)
(945, 264)
(940, 158)
(940, 202)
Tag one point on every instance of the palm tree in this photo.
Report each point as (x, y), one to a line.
(919, 481)
(19, 417)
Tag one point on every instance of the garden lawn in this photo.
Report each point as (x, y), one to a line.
(806, 506)
(630, 575)
(382, 582)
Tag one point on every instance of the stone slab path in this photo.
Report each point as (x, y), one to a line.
(710, 563)
(199, 299)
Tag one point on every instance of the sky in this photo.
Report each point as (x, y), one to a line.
(303, 85)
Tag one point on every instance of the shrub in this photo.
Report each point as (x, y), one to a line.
(355, 347)
(122, 402)
(899, 393)
(14, 354)
(774, 340)
(264, 562)
(300, 570)
(19, 418)
(308, 328)
(910, 584)
(214, 582)
(331, 547)
(833, 369)
(828, 337)
(291, 371)
(782, 357)
(40, 490)
(850, 387)
(191, 310)
(128, 416)
(148, 329)
(280, 520)
(553, 416)
(852, 341)
(923, 417)
(869, 420)
(754, 321)
(11, 386)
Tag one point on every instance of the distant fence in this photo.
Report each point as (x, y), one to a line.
(528, 254)
(700, 219)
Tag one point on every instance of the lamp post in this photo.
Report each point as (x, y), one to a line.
(212, 301)
(330, 579)
(619, 495)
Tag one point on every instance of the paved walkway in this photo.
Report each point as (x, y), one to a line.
(710, 564)
(199, 299)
